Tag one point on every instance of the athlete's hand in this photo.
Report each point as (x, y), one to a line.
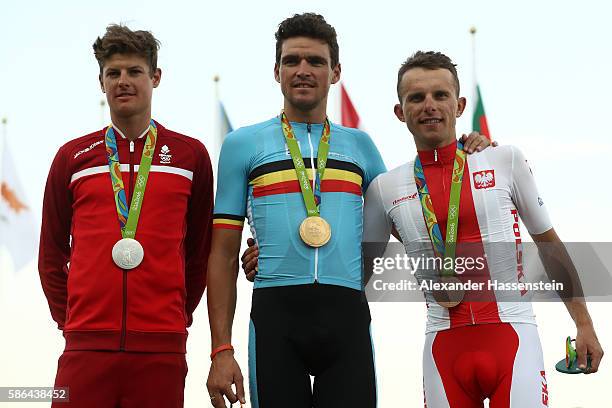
(224, 372)
(249, 260)
(588, 344)
(475, 142)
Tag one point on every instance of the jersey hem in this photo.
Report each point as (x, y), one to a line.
(307, 281)
(439, 329)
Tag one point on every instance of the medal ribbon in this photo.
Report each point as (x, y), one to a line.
(441, 248)
(128, 217)
(312, 205)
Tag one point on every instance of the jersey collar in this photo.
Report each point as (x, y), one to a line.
(444, 155)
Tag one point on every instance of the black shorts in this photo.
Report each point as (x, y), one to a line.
(303, 330)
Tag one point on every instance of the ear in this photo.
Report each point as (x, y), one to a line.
(277, 73)
(157, 77)
(335, 77)
(101, 83)
(461, 102)
(399, 112)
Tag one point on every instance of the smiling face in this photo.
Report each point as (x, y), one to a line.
(429, 106)
(305, 75)
(128, 84)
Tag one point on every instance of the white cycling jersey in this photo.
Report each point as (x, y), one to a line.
(497, 189)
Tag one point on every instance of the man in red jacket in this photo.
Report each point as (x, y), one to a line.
(125, 238)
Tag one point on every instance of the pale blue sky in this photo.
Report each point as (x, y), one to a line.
(543, 67)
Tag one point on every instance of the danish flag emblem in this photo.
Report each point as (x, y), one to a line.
(484, 179)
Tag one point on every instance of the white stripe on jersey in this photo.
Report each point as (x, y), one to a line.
(126, 167)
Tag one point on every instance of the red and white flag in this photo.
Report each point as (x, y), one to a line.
(17, 229)
(350, 117)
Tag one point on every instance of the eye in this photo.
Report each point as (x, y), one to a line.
(441, 95)
(290, 60)
(316, 61)
(415, 98)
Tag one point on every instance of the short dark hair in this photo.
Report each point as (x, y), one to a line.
(119, 39)
(427, 60)
(308, 25)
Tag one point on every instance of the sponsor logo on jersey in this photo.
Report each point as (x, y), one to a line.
(520, 275)
(484, 179)
(165, 157)
(87, 149)
(405, 198)
(544, 389)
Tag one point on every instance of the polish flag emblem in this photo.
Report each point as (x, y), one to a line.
(484, 179)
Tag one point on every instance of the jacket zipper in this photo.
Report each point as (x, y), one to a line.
(472, 313)
(124, 310)
(314, 179)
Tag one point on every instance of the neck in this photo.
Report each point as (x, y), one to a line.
(132, 126)
(316, 115)
(423, 145)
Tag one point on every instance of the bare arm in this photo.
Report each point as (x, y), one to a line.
(221, 283)
(559, 266)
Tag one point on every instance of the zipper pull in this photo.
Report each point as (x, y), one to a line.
(308, 127)
(435, 155)
(131, 146)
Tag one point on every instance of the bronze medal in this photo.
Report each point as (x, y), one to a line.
(448, 298)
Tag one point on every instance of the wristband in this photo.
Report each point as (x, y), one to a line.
(219, 349)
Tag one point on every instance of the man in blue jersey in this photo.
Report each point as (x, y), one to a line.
(300, 181)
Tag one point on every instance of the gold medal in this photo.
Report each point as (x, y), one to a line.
(315, 231)
(449, 298)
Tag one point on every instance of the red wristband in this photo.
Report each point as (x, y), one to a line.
(219, 349)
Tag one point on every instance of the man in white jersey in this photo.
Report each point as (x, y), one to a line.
(480, 348)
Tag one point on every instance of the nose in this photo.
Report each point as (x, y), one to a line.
(429, 104)
(123, 78)
(303, 69)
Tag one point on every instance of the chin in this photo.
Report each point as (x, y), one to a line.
(304, 105)
(124, 111)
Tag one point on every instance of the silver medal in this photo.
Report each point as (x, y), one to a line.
(128, 253)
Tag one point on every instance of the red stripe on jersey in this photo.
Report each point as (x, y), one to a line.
(438, 176)
(340, 186)
(327, 186)
(228, 226)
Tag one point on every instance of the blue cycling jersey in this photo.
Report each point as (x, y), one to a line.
(257, 180)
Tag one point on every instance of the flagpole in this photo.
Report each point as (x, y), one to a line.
(217, 122)
(216, 79)
(102, 113)
(475, 84)
(3, 145)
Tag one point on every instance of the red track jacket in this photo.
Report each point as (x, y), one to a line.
(98, 305)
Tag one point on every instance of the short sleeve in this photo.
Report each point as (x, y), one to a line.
(525, 195)
(232, 182)
(373, 162)
(376, 221)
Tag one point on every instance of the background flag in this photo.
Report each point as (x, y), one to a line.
(479, 121)
(350, 118)
(17, 230)
(225, 126)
